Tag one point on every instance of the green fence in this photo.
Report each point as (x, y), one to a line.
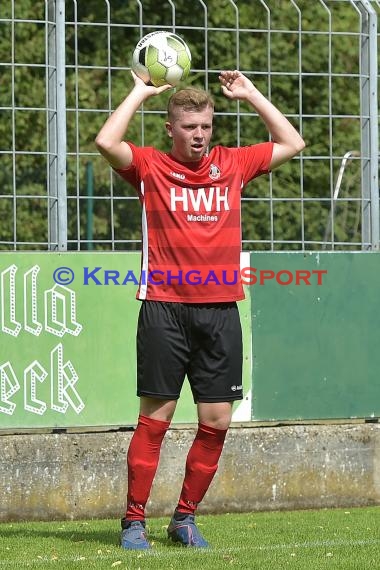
(67, 339)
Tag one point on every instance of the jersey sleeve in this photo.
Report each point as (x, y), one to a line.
(255, 160)
(134, 173)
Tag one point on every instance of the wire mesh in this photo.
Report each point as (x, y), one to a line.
(65, 66)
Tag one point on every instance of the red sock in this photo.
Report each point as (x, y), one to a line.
(142, 459)
(201, 466)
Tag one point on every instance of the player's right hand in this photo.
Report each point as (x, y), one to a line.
(148, 87)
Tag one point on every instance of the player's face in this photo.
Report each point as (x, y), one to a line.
(190, 132)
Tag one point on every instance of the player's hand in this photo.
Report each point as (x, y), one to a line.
(235, 85)
(147, 88)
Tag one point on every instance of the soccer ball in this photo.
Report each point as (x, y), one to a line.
(161, 58)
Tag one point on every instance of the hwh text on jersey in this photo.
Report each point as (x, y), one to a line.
(213, 199)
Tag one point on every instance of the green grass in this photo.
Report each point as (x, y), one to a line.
(311, 540)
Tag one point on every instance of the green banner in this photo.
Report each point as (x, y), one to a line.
(68, 329)
(67, 341)
(315, 336)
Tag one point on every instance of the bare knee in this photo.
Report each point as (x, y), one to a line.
(215, 414)
(156, 409)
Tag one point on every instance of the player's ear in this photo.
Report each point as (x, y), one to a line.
(169, 129)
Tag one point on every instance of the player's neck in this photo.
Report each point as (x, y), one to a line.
(188, 161)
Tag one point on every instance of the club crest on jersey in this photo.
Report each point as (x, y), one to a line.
(214, 172)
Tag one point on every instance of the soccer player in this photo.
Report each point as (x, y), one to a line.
(188, 321)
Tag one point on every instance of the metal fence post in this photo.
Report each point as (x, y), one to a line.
(57, 126)
(369, 128)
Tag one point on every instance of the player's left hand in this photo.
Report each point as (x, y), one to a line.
(235, 85)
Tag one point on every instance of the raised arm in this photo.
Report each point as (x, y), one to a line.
(287, 141)
(109, 140)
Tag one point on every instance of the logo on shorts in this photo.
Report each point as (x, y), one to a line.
(234, 388)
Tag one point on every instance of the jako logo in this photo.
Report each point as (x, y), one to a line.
(178, 175)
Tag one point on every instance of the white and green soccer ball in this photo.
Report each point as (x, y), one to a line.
(161, 58)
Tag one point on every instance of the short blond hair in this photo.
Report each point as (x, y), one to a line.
(189, 99)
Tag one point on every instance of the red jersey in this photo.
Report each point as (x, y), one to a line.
(191, 221)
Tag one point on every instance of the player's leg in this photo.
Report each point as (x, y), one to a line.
(144, 453)
(201, 466)
(142, 461)
(215, 414)
(215, 378)
(160, 373)
(203, 457)
(156, 409)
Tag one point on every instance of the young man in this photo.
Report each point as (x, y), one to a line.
(188, 320)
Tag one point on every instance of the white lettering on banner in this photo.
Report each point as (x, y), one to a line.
(30, 291)
(60, 311)
(211, 199)
(63, 378)
(33, 373)
(59, 306)
(9, 325)
(9, 385)
(58, 318)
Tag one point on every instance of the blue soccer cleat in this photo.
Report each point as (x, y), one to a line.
(133, 536)
(186, 532)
